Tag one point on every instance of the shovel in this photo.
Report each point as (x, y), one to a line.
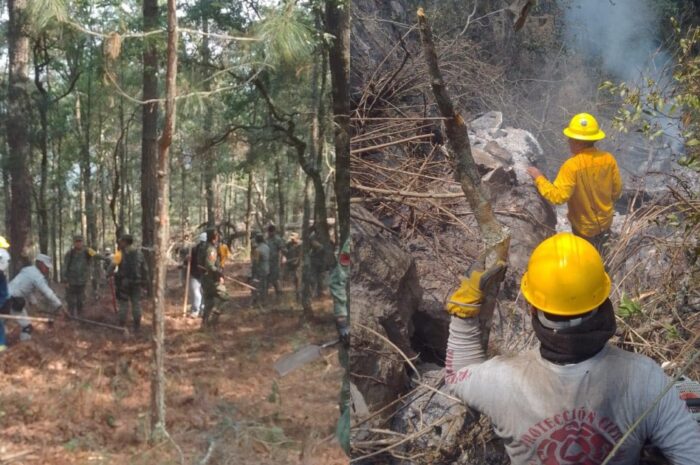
(307, 354)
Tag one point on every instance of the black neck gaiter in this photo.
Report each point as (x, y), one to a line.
(574, 345)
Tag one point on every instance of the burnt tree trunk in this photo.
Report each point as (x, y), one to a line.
(149, 135)
(495, 237)
(18, 125)
(163, 233)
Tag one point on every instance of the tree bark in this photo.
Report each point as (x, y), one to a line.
(85, 125)
(41, 64)
(163, 232)
(496, 238)
(280, 199)
(149, 136)
(208, 156)
(18, 124)
(306, 278)
(338, 25)
(248, 209)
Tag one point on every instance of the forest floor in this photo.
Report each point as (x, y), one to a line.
(81, 395)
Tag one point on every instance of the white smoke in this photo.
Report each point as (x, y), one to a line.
(623, 37)
(621, 34)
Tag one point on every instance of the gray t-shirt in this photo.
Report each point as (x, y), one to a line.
(263, 264)
(574, 414)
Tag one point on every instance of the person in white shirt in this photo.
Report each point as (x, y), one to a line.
(573, 399)
(30, 282)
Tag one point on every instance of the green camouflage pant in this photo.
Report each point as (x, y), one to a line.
(342, 429)
(126, 297)
(75, 298)
(212, 293)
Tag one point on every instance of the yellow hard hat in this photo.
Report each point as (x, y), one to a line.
(565, 276)
(3, 243)
(117, 257)
(584, 127)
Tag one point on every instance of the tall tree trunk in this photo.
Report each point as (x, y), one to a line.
(43, 107)
(248, 209)
(163, 233)
(318, 83)
(83, 116)
(18, 124)
(149, 135)
(338, 25)
(306, 270)
(184, 208)
(208, 156)
(280, 199)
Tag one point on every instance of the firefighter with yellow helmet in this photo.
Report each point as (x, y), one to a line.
(572, 399)
(589, 181)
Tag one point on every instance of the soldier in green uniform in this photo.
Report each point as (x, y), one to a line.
(131, 276)
(262, 268)
(276, 246)
(292, 252)
(212, 278)
(76, 272)
(338, 288)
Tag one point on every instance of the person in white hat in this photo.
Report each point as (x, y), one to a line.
(24, 287)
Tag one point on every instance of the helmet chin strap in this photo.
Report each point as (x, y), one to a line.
(563, 324)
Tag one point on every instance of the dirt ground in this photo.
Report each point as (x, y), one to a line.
(80, 395)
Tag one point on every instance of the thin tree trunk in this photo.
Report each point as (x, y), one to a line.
(18, 125)
(318, 83)
(306, 270)
(149, 137)
(338, 25)
(248, 209)
(42, 208)
(183, 205)
(85, 125)
(280, 198)
(163, 233)
(495, 237)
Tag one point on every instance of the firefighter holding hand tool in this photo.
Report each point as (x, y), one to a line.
(30, 281)
(574, 399)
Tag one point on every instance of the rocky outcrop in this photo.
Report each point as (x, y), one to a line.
(385, 293)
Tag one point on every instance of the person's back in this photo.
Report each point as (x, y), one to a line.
(589, 182)
(132, 267)
(572, 400)
(576, 413)
(263, 258)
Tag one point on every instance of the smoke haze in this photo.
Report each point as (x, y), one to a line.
(622, 34)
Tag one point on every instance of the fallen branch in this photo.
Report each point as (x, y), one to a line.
(417, 195)
(389, 144)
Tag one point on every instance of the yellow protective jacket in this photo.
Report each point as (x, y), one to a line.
(590, 183)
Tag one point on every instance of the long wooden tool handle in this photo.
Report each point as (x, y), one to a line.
(28, 318)
(98, 323)
(241, 283)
